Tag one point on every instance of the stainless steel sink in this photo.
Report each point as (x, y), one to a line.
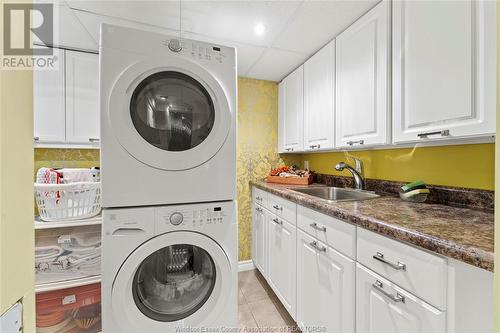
(337, 194)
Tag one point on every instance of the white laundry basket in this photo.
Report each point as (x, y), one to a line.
(68, 201)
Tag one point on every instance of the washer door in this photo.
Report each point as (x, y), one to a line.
(173, 117)
(173, 280)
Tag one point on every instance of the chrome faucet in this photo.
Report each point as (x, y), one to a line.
(357, 172)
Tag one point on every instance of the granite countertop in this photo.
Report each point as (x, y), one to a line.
(461, 233)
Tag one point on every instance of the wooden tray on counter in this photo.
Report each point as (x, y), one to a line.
(290, 180)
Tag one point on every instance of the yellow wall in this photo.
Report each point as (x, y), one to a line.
(67, 158)
(470, 166)
(257, 147)
(497, 184)
(17, 279)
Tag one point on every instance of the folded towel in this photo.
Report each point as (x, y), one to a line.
(74, 175)
(48, 176)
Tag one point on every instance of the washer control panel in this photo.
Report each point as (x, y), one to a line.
(198, 216)
(198, 51)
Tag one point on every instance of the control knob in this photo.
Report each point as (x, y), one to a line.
(176, 218)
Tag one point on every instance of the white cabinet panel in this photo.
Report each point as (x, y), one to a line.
(259, 239)
(319, 91)
(383, 307)
(443, 69)
(291, 112)
(49, 103)
(362, 80)
(325, 287)
(282, 265)
(82, 97)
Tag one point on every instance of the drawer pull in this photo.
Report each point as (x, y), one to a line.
(315, 245)
(315, 146)
(275, 220)
(277, 207)
(315, 226)
(36, 138)
(258, 209)
(399, 266)
(426, 134)
(258, 198)
(351, 143)
(94, 140)
(289, 149)
(380, 287)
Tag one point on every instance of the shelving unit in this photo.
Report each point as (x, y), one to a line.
(45, 287)
(40, 225)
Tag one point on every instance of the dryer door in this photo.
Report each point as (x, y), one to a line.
(171, 117)
(173, 280)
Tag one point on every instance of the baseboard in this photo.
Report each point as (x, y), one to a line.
(245, 265)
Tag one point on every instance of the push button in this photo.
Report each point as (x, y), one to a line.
(176, 218)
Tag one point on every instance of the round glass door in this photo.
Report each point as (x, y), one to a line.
(174, 282)
(172, 111)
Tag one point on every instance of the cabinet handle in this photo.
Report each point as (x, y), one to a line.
(315, 245)
(380, 287)
(275, 220)
(315, 226)
(399, 266)
(277, 207)
(258, 198)
(426, 134)
(258, 209)
(94, 140)
(315, 146)
(289, 149)
(351, 143)
(36, 138)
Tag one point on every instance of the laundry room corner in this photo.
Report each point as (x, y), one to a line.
(257, 151)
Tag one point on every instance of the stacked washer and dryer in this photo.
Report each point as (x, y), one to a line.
(168, 159)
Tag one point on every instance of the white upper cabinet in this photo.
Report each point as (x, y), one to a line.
(319, 77)
(362, 80)
(443, 69)
(82, 97)
(49, 99)
(291, 112)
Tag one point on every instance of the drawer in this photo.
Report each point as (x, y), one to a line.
(283, 208)
(259, 197)
(338, 234)
(417, 271)
(75, 309)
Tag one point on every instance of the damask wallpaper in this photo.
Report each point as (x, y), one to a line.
(257, 148)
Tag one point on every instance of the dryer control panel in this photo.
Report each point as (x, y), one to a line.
(200, 51)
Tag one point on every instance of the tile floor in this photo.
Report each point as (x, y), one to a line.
(259, 308)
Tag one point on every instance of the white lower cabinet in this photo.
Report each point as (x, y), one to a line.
(311, 262)
(325, 287)
(383, 307)
(282, 263)
(259, 240)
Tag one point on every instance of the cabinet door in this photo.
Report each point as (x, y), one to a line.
(82, 97)
(319, 74)
(259, 239)
(383, 307)
(362, 81)
(325, 287)
(443, 69)
(49, 103)
(282, 266)
(291, 112)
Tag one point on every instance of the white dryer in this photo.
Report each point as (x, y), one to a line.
(167, 268)
(168, 120)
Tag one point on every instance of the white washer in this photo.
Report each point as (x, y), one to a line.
(168, 120)
(170, 267)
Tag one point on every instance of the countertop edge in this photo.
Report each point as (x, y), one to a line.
(470, 255)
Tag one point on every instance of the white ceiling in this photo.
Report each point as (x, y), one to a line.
(294, 29)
